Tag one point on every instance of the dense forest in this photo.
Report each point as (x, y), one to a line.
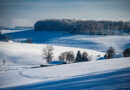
(84, 26)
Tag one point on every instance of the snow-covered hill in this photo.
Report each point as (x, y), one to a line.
(41, 75)
(19, 57)
(22, 53)
(94, 42)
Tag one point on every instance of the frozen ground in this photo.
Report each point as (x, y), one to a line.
(10, 31)
(94, 42)
(23, 54)
(115, 80)
(72, 72)
(21, 57)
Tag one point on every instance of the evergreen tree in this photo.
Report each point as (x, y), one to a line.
(78, 57)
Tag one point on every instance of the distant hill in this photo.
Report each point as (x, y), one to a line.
(24, 27)
(84, 27)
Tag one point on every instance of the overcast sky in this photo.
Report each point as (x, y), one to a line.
(27, 12)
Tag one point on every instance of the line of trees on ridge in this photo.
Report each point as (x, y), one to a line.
(83, 26)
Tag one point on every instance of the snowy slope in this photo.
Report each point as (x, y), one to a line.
(21, 56)
(23, 77)
(22, 53)
(10, 31)
(94, 42)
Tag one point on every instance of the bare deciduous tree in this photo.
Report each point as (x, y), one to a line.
(70, 57)
(48, 53)
(62, 57)
(110, 53)
(67, 56)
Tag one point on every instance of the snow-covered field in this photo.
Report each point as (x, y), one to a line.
(21, 57)
(10, 31)
(94, 42)
(22, 53)
(61, 72)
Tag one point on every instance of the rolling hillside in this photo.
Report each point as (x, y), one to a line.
(93, 42)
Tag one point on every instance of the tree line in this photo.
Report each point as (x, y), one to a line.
(83, 26)
(110, 53)
(69, 57)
